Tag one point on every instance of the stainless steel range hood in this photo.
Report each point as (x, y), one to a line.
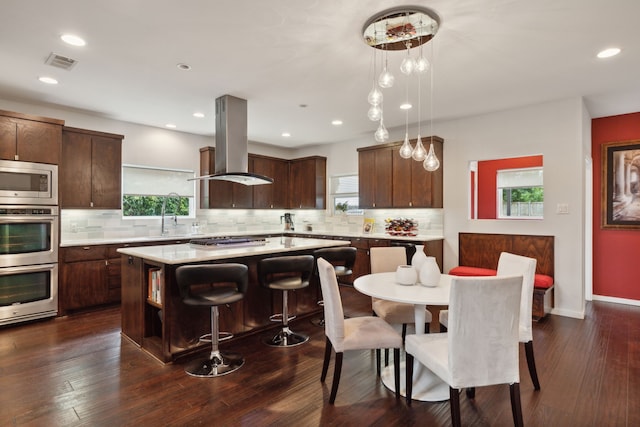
(232, 163)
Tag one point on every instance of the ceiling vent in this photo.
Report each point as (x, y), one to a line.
(60, 61)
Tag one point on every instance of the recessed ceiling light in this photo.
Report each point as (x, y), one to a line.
(286, 134)
(183, 67)
(336, 122)
(198, 115)
(405, 106)
(73, 40)
(48, 80)
(170, 125)
(608, 53)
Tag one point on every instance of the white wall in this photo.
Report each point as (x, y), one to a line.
(558, 130)
(554, 130)
(142, 145)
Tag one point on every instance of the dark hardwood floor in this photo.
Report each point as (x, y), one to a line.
(78, 371)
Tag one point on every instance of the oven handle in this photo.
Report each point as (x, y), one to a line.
(26, 269)
(27, 218)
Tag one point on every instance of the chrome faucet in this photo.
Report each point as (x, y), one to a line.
(163, 231)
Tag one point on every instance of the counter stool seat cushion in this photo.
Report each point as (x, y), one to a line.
(288, 283)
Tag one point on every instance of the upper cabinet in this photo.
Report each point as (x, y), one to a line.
(308, 183)
(375, 172)
(297, 184)
(271, 196)
(387, 180)
(216, 194)
(30, 138)
(90, 170)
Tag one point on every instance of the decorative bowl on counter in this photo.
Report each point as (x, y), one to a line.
(401, 227)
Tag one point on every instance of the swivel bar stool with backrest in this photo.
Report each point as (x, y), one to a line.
(213, 285)
(343, 259)
(286, 273)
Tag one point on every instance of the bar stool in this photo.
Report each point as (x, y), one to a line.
(213, 285)
(343, 259)
(285, 273)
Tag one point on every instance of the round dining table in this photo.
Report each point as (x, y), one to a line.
(426, 385)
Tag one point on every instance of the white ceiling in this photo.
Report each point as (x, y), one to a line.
(278, 54)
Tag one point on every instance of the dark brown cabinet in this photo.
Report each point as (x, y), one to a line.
(308, 183)
(413, 186)
(216, 194)
(387, 180)
(90, 276)
(374, 177)
(90, 170)
(271, 196)
(297, 184)
(29, 138)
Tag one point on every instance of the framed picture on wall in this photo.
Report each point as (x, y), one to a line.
(621, 185)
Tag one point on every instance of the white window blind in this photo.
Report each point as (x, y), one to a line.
(518, 178)
(346, 184)
(146, 181)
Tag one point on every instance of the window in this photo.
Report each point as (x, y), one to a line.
(344, 193)
(520, 193)
(144, 190)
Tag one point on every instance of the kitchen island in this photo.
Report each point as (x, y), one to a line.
(154, 317)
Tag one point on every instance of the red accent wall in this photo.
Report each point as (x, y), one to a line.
(616, 253)
(487, 177)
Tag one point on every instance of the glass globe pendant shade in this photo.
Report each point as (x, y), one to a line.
(386, 79)
(419, 153)
(431, 162)
(375, 96)
(422, 65)
(406, 150)
(408, 65)
(381, 134)
(374, 113)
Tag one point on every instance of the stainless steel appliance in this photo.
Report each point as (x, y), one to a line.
(28, 183)
(28, 235)
(28, 292)
(28, 262)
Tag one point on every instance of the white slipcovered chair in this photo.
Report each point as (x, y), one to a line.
(508, 265)
(356, 333)
(481, 345)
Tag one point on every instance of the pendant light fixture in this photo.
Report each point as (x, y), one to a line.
(402, 29)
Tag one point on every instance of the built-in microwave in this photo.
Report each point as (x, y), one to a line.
(28, 183)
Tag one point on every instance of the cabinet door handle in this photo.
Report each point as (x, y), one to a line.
(86, 248)
(106, 262)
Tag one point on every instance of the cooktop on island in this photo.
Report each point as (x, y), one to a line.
(226, 242)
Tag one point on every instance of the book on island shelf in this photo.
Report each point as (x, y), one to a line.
(153, 293)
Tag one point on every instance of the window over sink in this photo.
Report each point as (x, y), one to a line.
(144, 190)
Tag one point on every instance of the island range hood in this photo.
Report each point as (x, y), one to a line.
(232, 162)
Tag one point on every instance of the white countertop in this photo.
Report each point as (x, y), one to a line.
(132, 240)
(185, 253)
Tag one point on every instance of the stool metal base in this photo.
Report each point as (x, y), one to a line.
(216, 365)
(286, 338)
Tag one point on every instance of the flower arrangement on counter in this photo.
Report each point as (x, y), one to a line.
(401, 227)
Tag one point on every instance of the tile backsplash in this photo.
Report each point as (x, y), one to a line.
(78, 225)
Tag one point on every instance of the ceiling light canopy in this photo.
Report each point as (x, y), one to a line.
(402, 29)
(393, 28)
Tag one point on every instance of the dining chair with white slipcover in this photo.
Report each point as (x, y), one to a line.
(480, 347)
(510, 264)
(356, 333)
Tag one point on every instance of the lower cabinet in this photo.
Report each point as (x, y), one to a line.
(90, 275)
(87, 278)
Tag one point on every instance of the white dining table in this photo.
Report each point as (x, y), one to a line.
(426, 385)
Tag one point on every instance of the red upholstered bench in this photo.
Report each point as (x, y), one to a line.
(541, 284)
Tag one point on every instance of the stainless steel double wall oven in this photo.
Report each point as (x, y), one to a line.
(29, 230)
